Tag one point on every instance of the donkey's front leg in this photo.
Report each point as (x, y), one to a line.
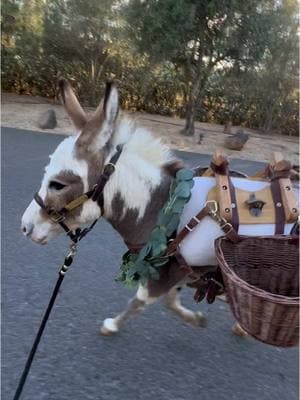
(172, 301)
(136, 305)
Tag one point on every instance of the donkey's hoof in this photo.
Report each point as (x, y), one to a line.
(109, 327)
(195, 318)
(200, 319)
(239, 331)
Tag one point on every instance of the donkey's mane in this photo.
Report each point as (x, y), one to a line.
(140, 167)
(138, 141)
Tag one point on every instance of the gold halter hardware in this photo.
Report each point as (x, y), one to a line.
(76, 202)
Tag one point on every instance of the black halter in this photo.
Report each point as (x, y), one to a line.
(96, 194)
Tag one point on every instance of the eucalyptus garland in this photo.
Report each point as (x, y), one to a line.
(138, 268)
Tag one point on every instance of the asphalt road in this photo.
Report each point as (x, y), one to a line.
(155, 357)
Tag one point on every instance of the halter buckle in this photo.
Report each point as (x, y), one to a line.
(77, 202)
(56, 216)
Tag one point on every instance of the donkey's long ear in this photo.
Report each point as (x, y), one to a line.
(111, 103)
(71, 104)
(100, 128)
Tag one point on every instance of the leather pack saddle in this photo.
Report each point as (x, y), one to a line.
(275, 204)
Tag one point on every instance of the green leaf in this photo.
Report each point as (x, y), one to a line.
(183, 190)
(145, 251)
(184, 174)
(163, 218)
(146, 264)
(132, 271)
(173, 224)
(179, 206)
(158, 235)
(191, 183)
(158, 249)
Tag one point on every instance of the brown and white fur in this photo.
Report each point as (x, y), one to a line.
(132, 197)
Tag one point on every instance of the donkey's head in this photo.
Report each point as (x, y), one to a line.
(74, 166)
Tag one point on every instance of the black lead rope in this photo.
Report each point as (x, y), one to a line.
(58, 217)
(75, 238)
(64, 268)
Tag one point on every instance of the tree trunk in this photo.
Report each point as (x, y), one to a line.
(196, 80)
(194, 98)
(269, 121)
(189, 127)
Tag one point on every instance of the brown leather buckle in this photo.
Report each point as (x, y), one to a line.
(76, 202)
(56, 216)
(191, 228)
(227, 224)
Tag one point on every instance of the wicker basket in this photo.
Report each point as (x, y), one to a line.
(261, 276)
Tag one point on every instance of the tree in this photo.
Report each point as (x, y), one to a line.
(217, 61)
(263, 95)
(9, 13)
(77, 36)
(198, 36)
(279, 77)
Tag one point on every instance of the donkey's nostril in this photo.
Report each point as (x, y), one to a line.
(27, 229)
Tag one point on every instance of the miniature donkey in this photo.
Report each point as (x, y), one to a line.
(133, 196)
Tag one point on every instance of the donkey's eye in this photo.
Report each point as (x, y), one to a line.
(56, 185)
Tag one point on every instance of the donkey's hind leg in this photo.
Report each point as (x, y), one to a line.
(239, 331)
(135, 306)
(172, 301)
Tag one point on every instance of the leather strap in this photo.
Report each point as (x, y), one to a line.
(185, 231)
(219, 166)
(234, 209)
(61, 217)
(109, 169)
(96, 194)
(230, 232)
(278, 205)
(275, 173)
(222, 168)
(189, 227)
